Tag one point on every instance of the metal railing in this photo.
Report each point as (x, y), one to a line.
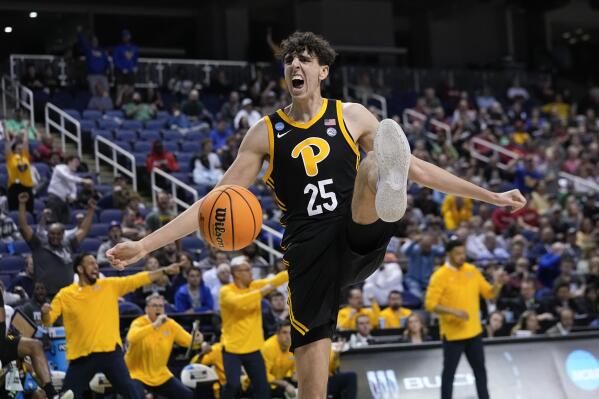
(496, 150)
(19, 96)
(117, 154)
(578, 181)
(67, 126)
(175, 184)
(409, 115)
(368, 99)
(273, 254)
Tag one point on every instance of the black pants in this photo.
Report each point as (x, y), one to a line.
(173, 388)
(112, 364)
(254, 366)
(13, 197)
(452, 351)
(343, 386)
(61, 212)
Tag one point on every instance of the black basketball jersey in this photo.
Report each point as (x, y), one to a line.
(312, 168)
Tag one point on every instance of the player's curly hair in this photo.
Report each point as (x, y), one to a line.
(315, 44)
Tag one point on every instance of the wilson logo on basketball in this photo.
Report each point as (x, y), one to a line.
(219, 225)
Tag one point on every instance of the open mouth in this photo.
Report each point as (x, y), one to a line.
(297, 82)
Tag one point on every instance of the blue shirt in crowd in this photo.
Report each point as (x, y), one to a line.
(421, 264)
(124, 57)
(184, 302)
(219, 139)
(95, 57)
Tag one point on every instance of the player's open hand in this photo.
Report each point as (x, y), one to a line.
(125, 253)
(513, 198)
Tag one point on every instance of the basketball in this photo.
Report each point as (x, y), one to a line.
(230, 218)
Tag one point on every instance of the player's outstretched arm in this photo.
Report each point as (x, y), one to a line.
(243, 172)
(434, 177)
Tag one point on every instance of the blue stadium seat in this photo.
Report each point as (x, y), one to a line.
(125, 145)
(162, 115)
(38, 206)
(125, 135)
(6, 278)
(43, 169)
(192, 244)
(171, 135)
(191, 147)
(12, 264)
(107, 124)
(14, 215)
(149, 135)
(87, 126)
(98, 230)
(91, 114)
(74, 213)
(184, 167)
(267, 202)
(154, 124)
(108, 215)
(107, 134)
(105, 189)
(171, 146)
(73, 112)
(202, 189)
(90, 245)
(3, 179)
(131, 124)
(196, 136)
(140, 146)
(21, 247)
(184, 157)
(115, 113)
(140, 158)
(184, 177)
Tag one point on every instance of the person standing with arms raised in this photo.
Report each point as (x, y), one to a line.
(454, 294)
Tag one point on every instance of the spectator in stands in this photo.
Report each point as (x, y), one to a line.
(386, 279)
(415, 332)
(549, 265)
(124, 59)
(19, 127)
(562, 299)
(259, 264)
(275, 313)
(33, 307)
(161, 286)
(185, 265)
(242, 335)
(134, 226)
(161, 158)
(569, 276)
(280, 363)
(168, 254)
(491, 252)
(97, 62)
(24, 279)
(421, 252)
(454, 293)
(8, 232)
(362, 335)
(590, 302)
(456, 210)
(564, 325)
(514, 307)
(208, 264)
(195, 109)
(220, 134)
(13, 298)
(495, 325)
(177, 119)
(228, 153)
(528, 324)
(63, 189)
(91, 321)
(45, 150)
(115, 236)
(32, 79)
(138, 110)
(542, 246)
(100, 100)
(223, 274)
(526, 175)
(231, 107)
(151, 338)
(348, 315)
(18, 165)
(206, 166)
(53, 254)
(395, 315)
(247, 116)
(195, 296)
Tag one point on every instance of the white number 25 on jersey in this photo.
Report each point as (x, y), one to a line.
(329, 197)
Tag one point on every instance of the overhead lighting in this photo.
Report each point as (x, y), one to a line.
(7, 29)
(33, 14)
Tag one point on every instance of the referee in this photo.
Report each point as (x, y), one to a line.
(242, 336)
(91, 321)
(454, 293)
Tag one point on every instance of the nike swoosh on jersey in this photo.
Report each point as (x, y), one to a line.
(279, 135)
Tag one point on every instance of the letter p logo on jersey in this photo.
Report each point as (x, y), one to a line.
(306, 148)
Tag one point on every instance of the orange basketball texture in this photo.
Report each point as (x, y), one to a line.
(230, 218)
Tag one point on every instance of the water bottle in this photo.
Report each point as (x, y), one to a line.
(10, 247)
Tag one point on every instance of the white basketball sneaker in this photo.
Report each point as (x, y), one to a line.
(65, 395)
(393, 155)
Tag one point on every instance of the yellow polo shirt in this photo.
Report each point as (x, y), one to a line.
(459, 289)
(150, 349)
(279, 364)
(347, 321)
(393, 318)
(241, 313)
(214, 358)
(91, 313)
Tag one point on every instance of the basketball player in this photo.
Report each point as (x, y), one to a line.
(338, 218)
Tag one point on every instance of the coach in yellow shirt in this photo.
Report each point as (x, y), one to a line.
(395, 313)
(242, 337)
(90, 314)
(454, 293)
(280, 362)
(151, 339)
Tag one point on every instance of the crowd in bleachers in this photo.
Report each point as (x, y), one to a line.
(549, 249)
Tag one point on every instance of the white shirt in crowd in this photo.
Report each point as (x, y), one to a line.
(64, 183)
(358, 340)
(385, 279)
(252, 117)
